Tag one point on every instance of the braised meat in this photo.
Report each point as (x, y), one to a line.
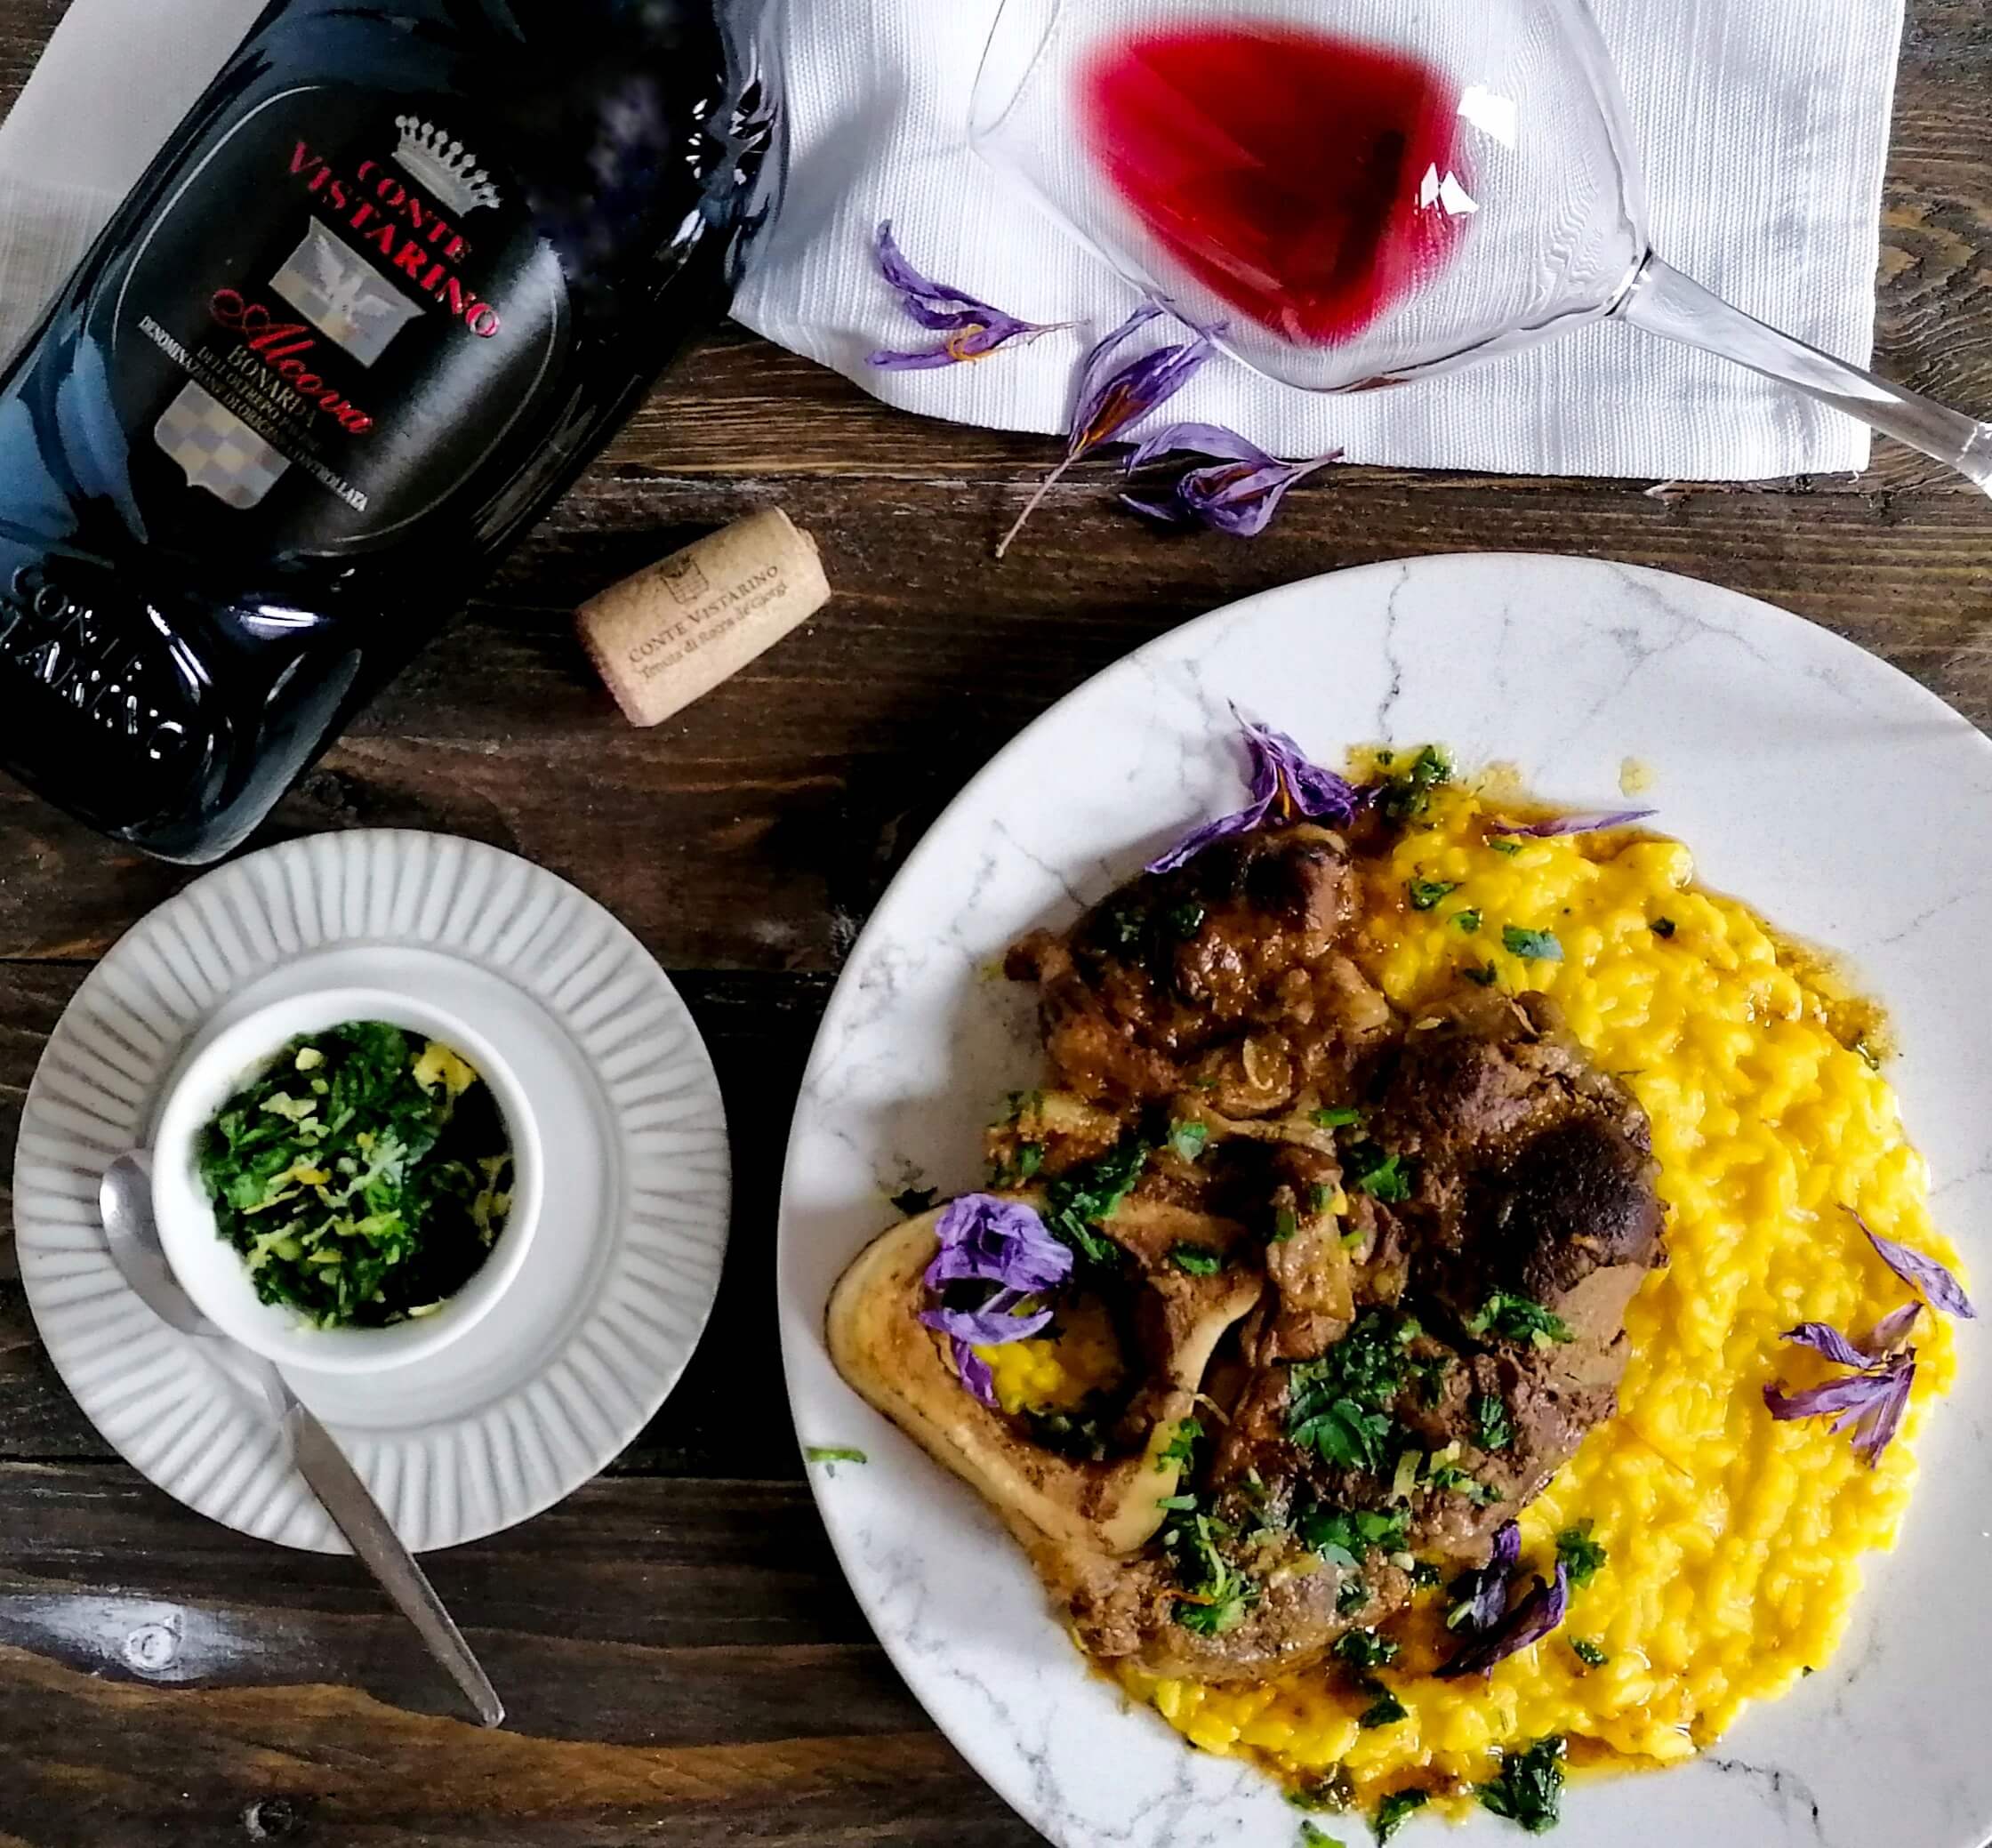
(1534, 1170)
(1226, 975)
(1532, 1216)
(1439, 1220)
(1301, 1605)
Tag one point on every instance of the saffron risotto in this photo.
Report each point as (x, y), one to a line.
(1733, 1543)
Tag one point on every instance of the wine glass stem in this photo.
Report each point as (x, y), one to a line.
(1663, 301)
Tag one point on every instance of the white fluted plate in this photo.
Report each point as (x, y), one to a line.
(573, 1360)
(1819, 781)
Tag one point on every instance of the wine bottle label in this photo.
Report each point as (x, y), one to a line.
(336, 315)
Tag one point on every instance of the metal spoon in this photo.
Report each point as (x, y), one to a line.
(125, 1197)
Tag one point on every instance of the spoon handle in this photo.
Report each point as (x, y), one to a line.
(359, 1516)
(1663, 301)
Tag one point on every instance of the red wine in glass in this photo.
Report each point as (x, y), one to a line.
(1429, 185)
(1311, 182)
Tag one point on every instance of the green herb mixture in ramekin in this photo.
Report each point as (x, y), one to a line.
(363, 1176)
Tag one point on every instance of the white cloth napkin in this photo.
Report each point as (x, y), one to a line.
(1763, 125)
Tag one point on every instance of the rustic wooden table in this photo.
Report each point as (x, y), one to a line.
(682, 1662)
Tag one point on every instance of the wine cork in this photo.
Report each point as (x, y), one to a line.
(661, 638)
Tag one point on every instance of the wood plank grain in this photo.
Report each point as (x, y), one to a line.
(681, 1663)
(759, 828)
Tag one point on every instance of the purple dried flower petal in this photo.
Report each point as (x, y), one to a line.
(1485, 1595)
(1557, 825)
(933, 304)
(992, 1324)
(1237, 491)
(1319, 794)
(1889, 1332)
(1278, 767)
(1925, 1274)
(1531, 1620)
(985, 1238)
(1822, 1338)
(1851, 1393)
(1877, 1426)
(1094, 371)
(1870, 1403)
(1212, 439)
(1194, 842)
(932, 359)
(1110, 398)
(975, 1372)
(975, 330)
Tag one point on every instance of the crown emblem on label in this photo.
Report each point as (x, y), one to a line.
(444, 165)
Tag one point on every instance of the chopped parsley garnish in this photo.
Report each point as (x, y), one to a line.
(1313, 1836)
(1123, 925)
(1365, 1649)
(1531, 946)
(1452, 1480)
(1352, 1597)
(1183, 920)
(1216, 1595)
(1588, 1652)
(1217, 1616)
(912, 1201)
(1285, 1222)
(1343, 1536)
(1520, 1318)
(1198, 1260)
(1318, 1196)
(1406, 796)
(1030, 1157)
(364, 1176)
(1425, 893)
(1188, 1140)
(1385, 1710)
(1182, 1446)
(1468, 921)
(1504, 847)
(1581, 1553)
(1431, 1376)
(1493, 1429)
(1079, 1200)
(1482, 976)
(1335, 1404)
(1395, 1809)
(1531, 1786)
(1382, 1177)
(1335, 1116)
(833, 1453)
(1182, 1504)
(1346, 1434)
(1663, 926)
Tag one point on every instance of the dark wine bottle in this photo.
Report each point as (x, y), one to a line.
(401, 271)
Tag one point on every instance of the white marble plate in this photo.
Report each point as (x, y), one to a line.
(1829, 789)
(577, 1355)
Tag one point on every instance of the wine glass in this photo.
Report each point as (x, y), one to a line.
(1354, 196)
